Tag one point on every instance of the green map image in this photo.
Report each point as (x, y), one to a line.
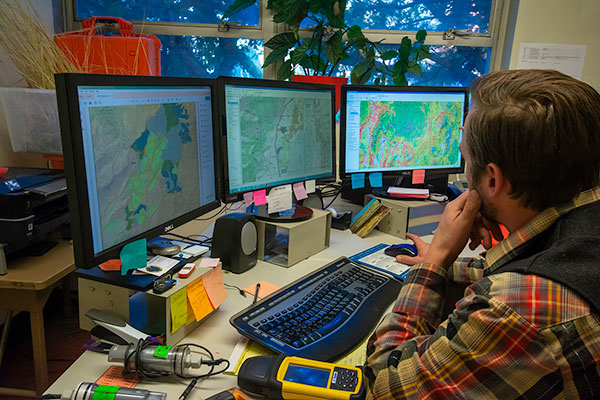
(284, 138)
(146, 166)
(409, 134)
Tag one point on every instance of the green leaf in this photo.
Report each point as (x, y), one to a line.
(316, 6)
(345, 56)
(406, 42)
(306, 62)
(291, 12)
(333, 47)
(285, 71)
(421, 35)
(355, 33)
(423, 53)
(317, 63)
(286, 39)
(400, 80)
(360, 68)
(388, 55)
(414, 68)
(378, 81)
(274, 56)
(296, 55)
(237, 6)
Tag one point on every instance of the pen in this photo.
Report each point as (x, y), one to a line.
(188, 389)
(256, 293)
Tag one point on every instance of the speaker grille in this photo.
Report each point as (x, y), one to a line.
(249, 238)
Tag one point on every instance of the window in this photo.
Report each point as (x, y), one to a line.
(194, 45)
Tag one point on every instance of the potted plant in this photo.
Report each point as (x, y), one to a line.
(320, 49)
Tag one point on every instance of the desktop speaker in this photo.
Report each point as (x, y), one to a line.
(235, 241)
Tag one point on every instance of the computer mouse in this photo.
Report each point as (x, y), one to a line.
(404, 249)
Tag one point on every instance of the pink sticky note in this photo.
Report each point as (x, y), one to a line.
(260, 197)
(207, 262)
(418, 176)
(300, 191)
(3, 170)
(248, 198)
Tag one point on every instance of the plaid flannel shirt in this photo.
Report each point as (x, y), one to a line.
(510, 336)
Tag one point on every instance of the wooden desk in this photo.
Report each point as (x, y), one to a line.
(26, 287)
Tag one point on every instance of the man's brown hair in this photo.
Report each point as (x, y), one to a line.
(542, 128)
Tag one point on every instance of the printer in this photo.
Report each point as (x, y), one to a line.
(33, 203)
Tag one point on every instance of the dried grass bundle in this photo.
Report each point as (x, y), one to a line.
(23, 38)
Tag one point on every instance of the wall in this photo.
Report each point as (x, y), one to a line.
(563, 22)
(9, 77)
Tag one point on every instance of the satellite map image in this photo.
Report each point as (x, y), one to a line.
(409, 134)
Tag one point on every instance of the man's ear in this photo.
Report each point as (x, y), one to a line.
(493, 181)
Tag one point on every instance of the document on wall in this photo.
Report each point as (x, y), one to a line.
(566, 58)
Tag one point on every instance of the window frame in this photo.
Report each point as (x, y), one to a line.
(502, 16)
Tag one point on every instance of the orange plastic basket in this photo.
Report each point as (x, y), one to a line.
(123, 53)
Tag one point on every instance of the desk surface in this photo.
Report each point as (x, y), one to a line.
(37, 273)
(216, 333)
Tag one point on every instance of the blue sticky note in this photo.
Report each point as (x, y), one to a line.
(376, 179)
(358, 181)
(133, 256)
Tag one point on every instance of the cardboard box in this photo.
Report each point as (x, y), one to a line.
(286, 244)
(419, 217)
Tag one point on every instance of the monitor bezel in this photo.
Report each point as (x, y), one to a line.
(431, 172)
(223, 81)
(75, 171)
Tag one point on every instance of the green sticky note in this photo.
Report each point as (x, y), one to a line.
(162, 351)
(133, 256)
(104, 392)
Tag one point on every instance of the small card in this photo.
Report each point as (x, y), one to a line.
(266, 288)
(310, 186)
(114, 377)
(280, 199)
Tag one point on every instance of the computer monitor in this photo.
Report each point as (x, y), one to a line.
(275, 133)
(140, 155)
(396, 130)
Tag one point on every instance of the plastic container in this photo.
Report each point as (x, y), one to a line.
(116, 51)
(32, 120)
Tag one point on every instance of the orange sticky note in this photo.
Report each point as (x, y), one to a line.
(114, 377)
(179, 310)
(198, 298)
(215, 288)
(111, 265)
(266, 288)
(418, 176)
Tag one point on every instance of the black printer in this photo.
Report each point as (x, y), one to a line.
(33, 203)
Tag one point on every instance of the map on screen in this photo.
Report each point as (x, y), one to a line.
(284, 138)
(400, 134)
(145, 156)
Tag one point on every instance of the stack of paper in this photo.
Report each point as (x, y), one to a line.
(409, 193)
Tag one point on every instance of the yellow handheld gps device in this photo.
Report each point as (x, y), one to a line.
(295, 378)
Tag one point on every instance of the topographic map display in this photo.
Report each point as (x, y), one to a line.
(284, 138)
(396, 134)
(146, 166)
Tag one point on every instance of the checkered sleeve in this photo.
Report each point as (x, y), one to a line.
(483, 350)
(466, 270)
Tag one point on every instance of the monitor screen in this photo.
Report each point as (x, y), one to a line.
(399, 129)
(139, 155)
(275, 133)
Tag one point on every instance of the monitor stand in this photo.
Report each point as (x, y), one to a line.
(296, 213)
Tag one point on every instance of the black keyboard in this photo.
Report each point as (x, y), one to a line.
(322, 315)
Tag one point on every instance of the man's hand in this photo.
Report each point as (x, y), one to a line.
(422, 249)
(454, 230)
(483, 230)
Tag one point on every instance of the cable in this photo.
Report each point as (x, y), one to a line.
(222, 210)
(242, 292)
(189, 237)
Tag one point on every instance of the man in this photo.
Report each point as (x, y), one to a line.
(528, 325)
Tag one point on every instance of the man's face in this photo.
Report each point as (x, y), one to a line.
(488, 210)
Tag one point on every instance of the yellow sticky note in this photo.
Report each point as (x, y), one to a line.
(179, 310)
(215, 288)
(198, 298)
